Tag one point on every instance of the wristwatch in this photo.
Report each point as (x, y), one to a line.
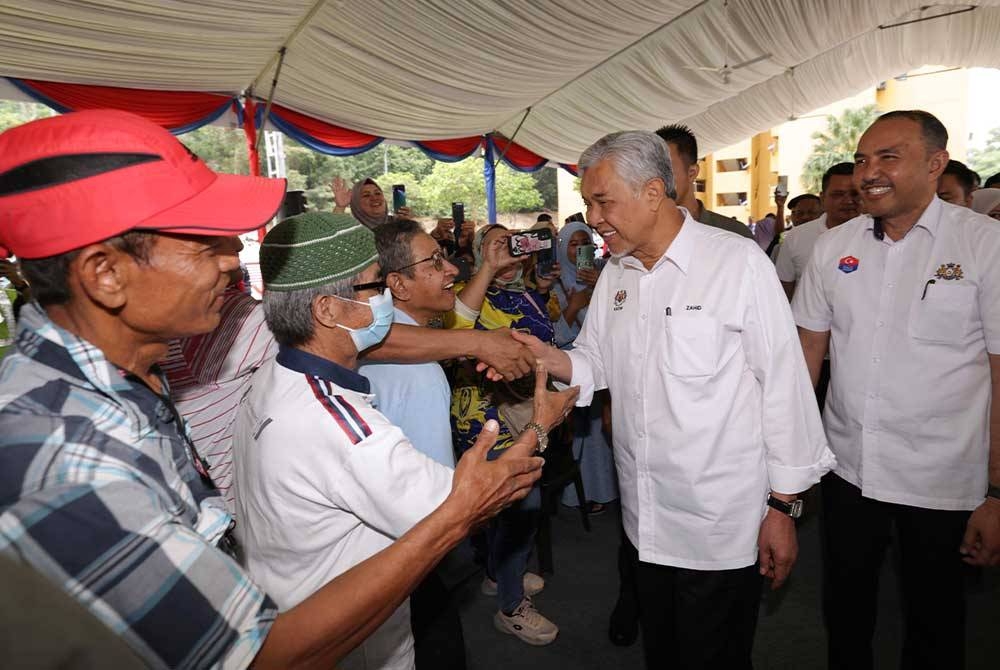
(992, 490)
(792, 509)
(543, 435)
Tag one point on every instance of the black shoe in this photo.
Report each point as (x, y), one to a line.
(624, 626)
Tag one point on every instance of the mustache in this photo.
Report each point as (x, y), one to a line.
(873, 182)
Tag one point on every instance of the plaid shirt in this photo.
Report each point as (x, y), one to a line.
(99, 492)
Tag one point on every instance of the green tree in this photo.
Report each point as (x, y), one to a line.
(463, 182)
(14, 113)
(986, 161)
(546, 182)
(223, 149)
(836, 145)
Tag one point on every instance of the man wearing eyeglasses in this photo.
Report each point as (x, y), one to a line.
(416, 397)
(322, 479)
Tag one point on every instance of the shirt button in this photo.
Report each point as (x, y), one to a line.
(890, 285)
(874, 359)
(636, 396)
(643, 317)
(873, 395)
(881, 323)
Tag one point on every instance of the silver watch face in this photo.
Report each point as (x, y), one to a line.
(795, 511)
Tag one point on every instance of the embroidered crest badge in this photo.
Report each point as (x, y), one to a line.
(848, 264)
(620, 298)
(949, 271)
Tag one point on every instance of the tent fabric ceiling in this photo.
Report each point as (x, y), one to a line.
(433, 70)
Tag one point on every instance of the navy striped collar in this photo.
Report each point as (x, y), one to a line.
(316, 366)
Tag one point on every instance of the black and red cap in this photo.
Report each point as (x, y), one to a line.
(79, 178)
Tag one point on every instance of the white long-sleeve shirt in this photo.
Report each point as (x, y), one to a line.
(711, 400)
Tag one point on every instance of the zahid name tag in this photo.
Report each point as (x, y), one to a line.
(848, 264)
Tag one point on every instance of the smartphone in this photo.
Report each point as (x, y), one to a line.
(457, 219)
(529, 242)
(585, 256)
(398, 197)
(546, 258)
(781, 190)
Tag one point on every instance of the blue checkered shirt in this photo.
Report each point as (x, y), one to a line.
(99, 491)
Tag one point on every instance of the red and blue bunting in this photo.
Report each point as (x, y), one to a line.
(320, 136)
(178, 111)
(184, 111)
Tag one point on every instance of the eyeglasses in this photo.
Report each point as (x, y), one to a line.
(437, 258)
(370, 286)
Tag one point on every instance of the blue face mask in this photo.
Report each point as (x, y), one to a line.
(374, 332)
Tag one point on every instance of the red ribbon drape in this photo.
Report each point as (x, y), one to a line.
(175, 110)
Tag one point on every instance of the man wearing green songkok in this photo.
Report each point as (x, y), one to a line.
(322, 479)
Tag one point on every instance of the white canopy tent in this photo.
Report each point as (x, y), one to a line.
(571, 71)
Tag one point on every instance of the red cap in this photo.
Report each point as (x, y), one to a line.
(79, 178)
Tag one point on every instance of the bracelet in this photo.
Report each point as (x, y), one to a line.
(543, 436)
(992, 491)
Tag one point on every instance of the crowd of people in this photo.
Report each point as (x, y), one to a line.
(222, 482)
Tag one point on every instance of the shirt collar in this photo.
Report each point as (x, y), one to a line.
(402, 317)
(40, 339)
(316, 366)
(929, 220)
(680, 250)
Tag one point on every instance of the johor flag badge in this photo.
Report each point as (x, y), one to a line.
(848, 264)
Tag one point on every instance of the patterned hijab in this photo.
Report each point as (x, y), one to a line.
(368, 220)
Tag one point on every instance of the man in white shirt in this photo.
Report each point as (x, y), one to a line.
(416, 397)
(322, 480)
(840, 203)
(713, 413)
(906, 300)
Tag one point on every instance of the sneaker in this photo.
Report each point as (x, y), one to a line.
(533, 585)
(527, 623)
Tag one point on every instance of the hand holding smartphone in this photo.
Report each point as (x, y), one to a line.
(529, 242)
(585, 256)
(781, 190)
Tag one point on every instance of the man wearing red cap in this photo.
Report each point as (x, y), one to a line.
(127, 240)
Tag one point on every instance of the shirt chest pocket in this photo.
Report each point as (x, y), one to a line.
(944, 313)
(692, 345)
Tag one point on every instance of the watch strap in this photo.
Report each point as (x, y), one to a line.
(992, 491)
(792, 509)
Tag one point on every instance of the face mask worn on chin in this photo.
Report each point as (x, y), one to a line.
(374, 332)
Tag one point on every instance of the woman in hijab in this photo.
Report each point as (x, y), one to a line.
(496, 297)
(573, 290)
(367, 202)
(987, 201)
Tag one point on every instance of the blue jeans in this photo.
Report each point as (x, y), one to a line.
(510, 537)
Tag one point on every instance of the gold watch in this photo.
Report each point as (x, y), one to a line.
(543, 435)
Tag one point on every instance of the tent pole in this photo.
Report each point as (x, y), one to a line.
(490, 179)
(510, 140)
(270, 96)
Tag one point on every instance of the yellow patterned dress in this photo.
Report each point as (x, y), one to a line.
(472, 398)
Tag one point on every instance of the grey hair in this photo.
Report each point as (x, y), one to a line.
(393, 240)
(637, 155)
(289, 313)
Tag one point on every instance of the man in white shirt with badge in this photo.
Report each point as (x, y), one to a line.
(714, 416)
(906, 300)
